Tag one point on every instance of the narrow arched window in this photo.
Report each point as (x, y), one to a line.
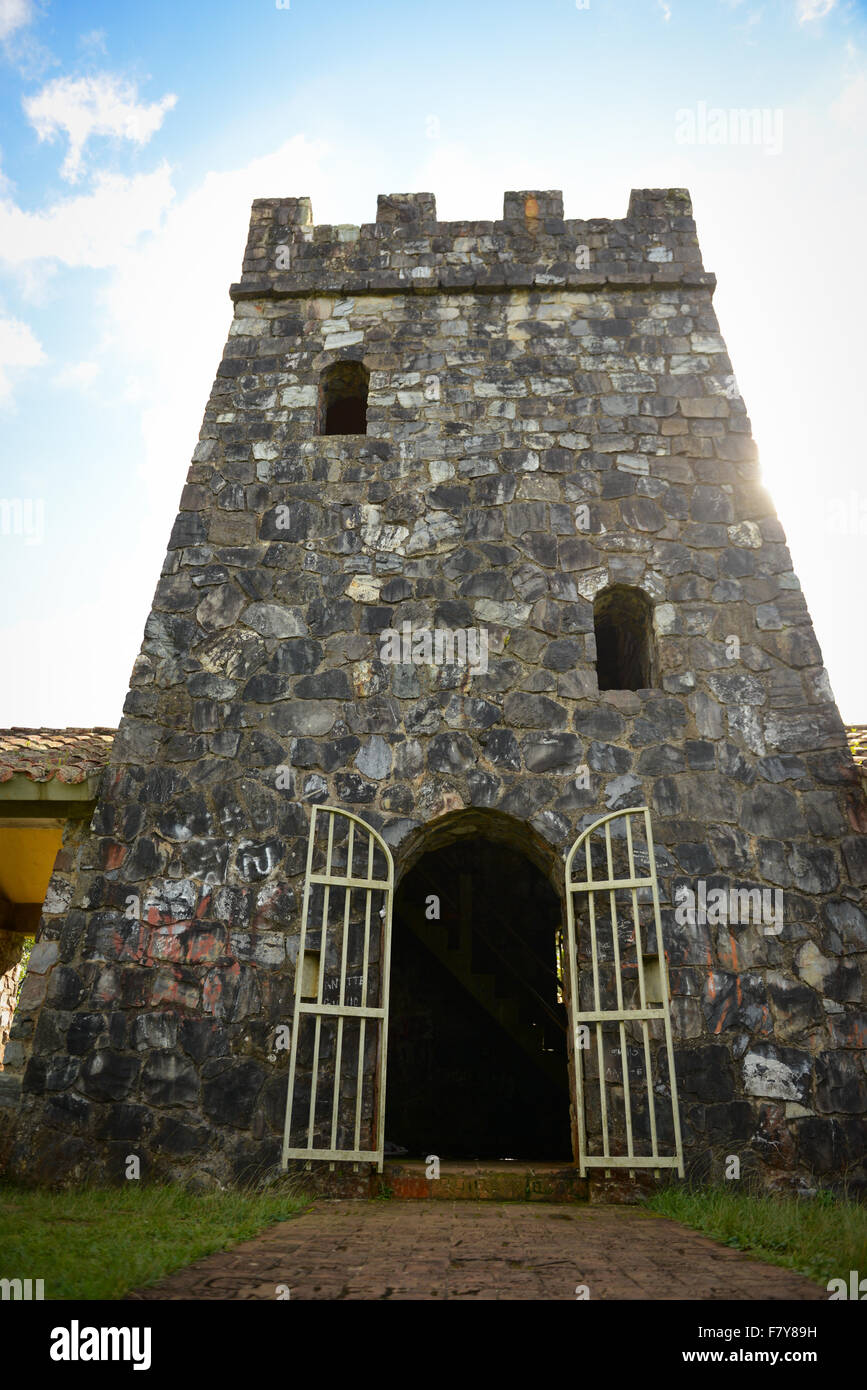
(623, 625)
(343, 398)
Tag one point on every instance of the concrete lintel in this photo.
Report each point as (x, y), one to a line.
(24, 789)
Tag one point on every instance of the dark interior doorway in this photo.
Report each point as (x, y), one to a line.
(477, 1063)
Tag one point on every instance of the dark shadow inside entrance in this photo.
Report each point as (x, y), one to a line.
(477, 1063)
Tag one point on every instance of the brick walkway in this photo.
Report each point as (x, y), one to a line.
(479, 1250)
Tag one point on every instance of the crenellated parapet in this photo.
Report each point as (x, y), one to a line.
(531, 247)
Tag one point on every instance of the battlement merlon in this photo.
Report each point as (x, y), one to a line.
(533, 247)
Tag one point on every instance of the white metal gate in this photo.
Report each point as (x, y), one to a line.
(335, 1106)
(619, 988)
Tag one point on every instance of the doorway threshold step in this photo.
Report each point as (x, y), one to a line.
(485, 1180)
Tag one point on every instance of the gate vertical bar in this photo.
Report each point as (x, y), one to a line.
(618, 984)
(299, 981)
(642, 989)
(323, 939)
(574, 1008)
(347, 904)
(385, 972)
(600, 1041)
(666, 994)
(363, 1022)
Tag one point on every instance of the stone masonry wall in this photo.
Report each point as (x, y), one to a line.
(520, 371)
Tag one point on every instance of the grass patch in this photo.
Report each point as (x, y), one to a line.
(102, 1242)
(823, 1237)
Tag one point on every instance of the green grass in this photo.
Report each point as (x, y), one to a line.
(823, 1237)
(102, 1242)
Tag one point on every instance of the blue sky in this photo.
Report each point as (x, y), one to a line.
(134, 137)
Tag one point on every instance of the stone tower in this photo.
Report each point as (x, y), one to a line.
(524, 435)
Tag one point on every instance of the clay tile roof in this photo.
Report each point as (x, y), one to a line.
(857, 736)
(69, 755)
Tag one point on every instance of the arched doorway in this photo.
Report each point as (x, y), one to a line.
(477, 1051)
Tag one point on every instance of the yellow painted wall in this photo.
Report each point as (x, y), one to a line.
(27, 854)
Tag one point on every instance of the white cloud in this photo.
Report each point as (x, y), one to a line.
(95, 229)
(19, 347)
(14, 14)
(52, 639)
(168, 311)
(850, 108)
(94, 42)
(78, 375)
(666, 10)
(86, 106)
(809, 10)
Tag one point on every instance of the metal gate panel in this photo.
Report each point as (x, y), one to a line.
(340, 1026)
(617, 962)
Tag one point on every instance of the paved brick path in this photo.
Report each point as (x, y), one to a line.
(479, 1250)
